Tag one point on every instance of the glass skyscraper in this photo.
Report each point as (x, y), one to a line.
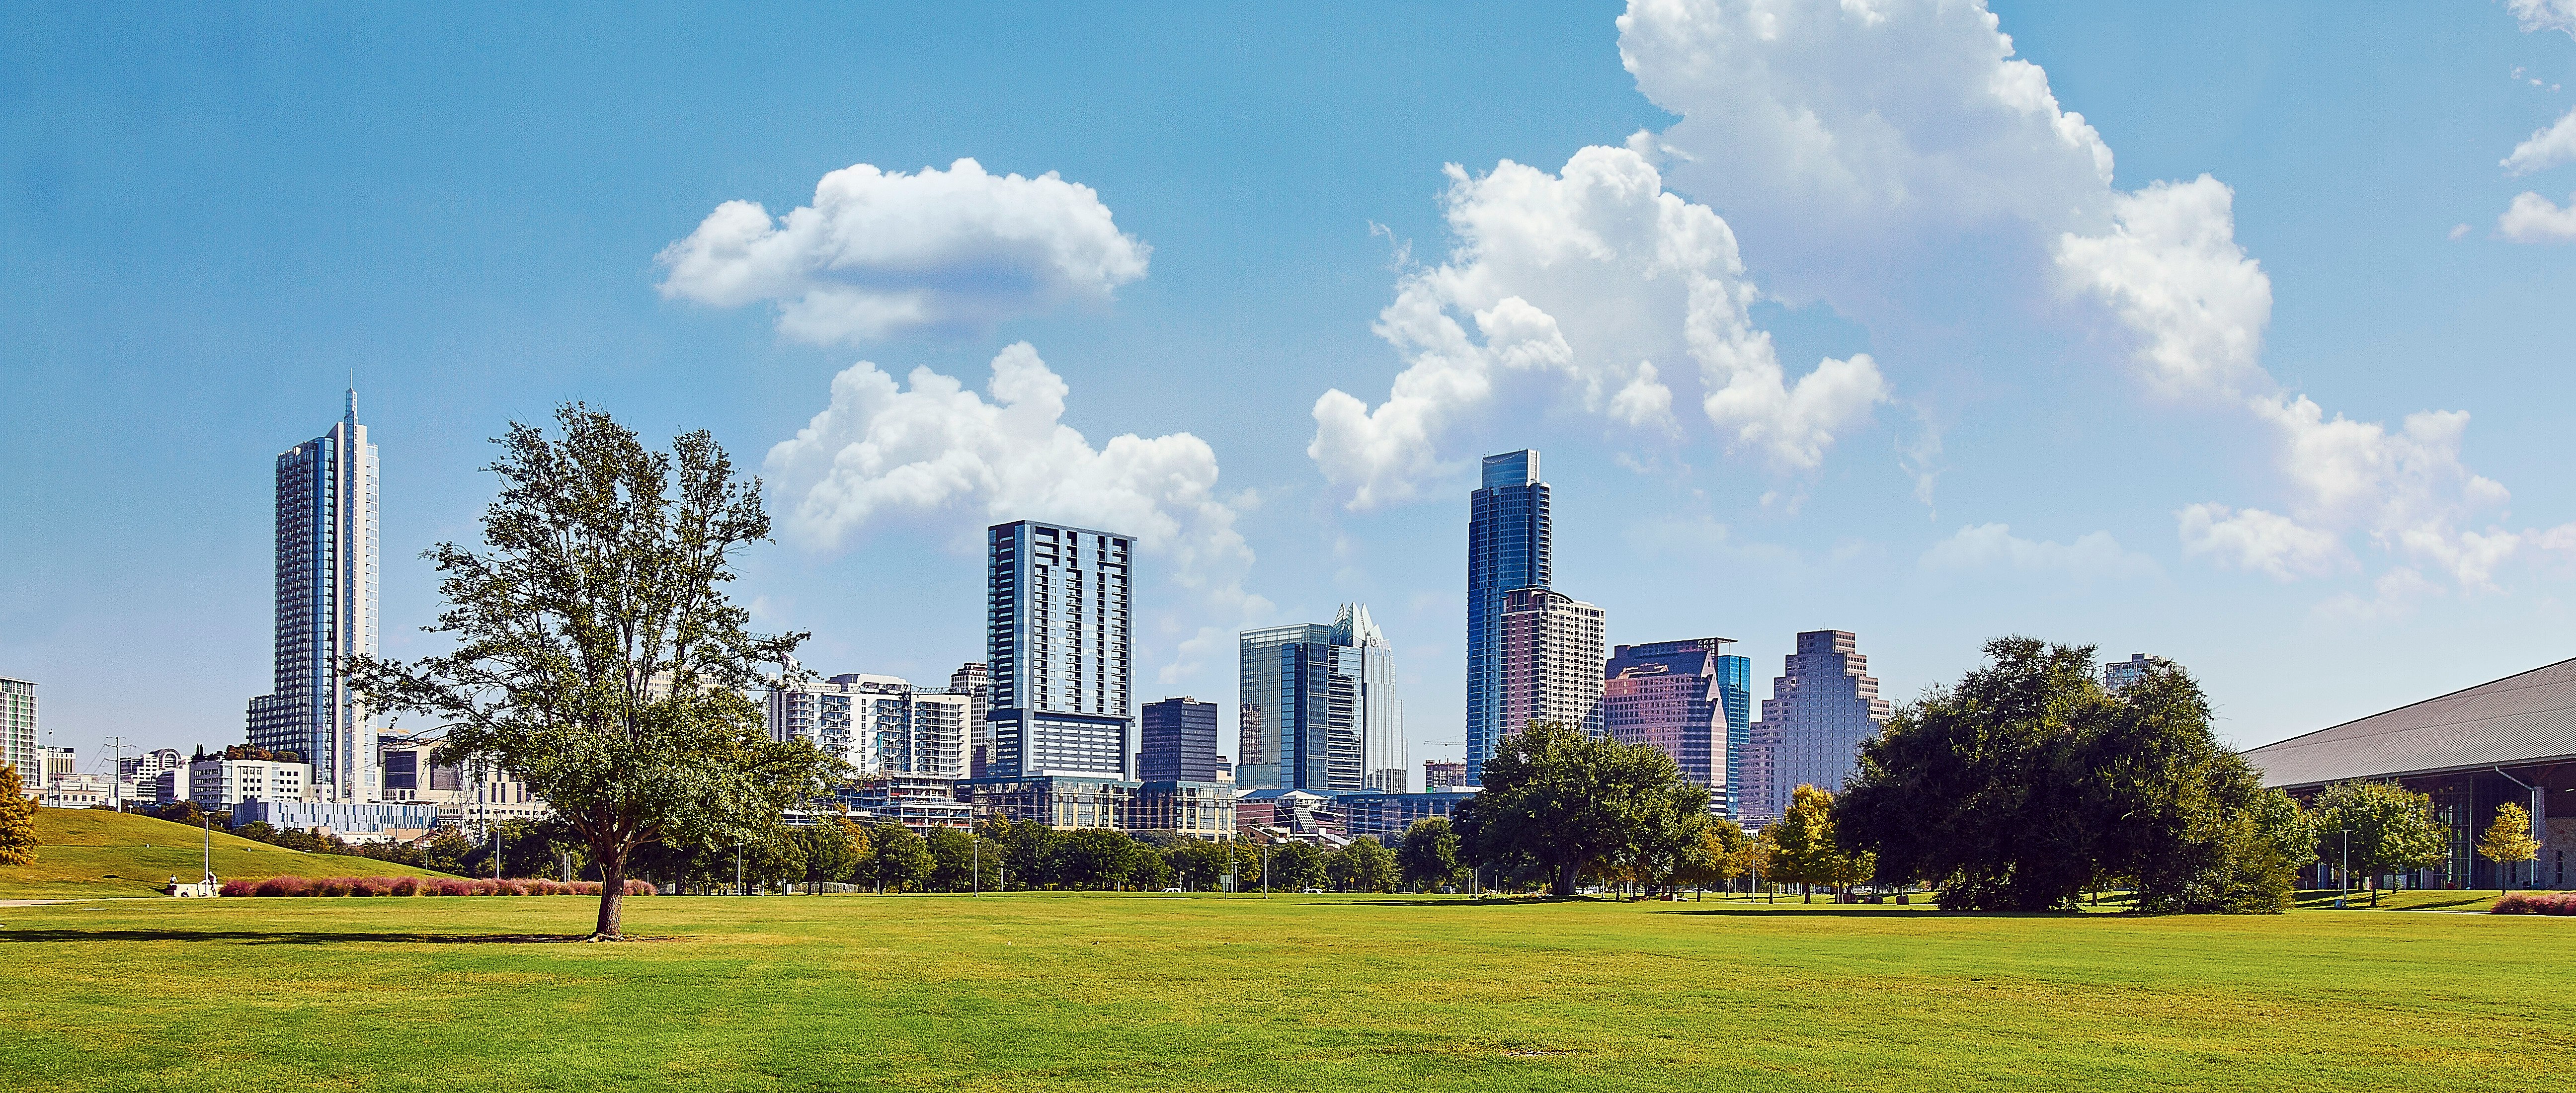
(1689, 698)
(326, 610)
(1057, 634)
(1814, 722)
(1507, 549)
(1316, 707)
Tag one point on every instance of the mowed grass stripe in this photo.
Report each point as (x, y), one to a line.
(1122, 992)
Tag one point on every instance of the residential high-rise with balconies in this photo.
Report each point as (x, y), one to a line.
(1550, 658)
(326, 611)
(876, 725)
(19, 744)
(1507, 549)
(1057, 635)
(975, 681)
(1814, 722)
(1688, 698)
(1316, 707)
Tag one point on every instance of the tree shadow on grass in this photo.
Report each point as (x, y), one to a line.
(289, 937)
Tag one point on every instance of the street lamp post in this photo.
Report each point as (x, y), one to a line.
(2345, 891)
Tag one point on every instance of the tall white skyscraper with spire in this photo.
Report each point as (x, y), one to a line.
(326, 610)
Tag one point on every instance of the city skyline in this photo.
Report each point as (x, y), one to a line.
(1240, 240)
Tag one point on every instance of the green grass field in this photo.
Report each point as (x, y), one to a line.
(1109, 992)
(87, 852)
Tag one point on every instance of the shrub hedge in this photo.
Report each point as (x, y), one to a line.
(2536, 903)
(419, 886)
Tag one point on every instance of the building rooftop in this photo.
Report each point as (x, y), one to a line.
(2516, 720)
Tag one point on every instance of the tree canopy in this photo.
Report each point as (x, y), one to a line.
(598, 658)
(17, 820)
(1564, 802)
(2508, 842)
(2027, 783)
(1427, 856)
(2383, 826)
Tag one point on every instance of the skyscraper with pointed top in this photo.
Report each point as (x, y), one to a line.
(326, 610)
(1316, 708)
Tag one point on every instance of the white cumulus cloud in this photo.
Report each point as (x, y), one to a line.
(880, 253)
(2544, 14)
(2536, 219)
(1601, 285)
(2546, 148)
(1862, 148)
(930, 449)
(1994, 546)
(2261, 542)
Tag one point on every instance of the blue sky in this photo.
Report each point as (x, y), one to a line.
(2057, 403)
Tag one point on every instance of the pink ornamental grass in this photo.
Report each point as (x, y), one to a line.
(2536, 903)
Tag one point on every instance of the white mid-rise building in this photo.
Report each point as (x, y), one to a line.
(216, 784)
(878, 725)
(1551, 660)
(19, 744)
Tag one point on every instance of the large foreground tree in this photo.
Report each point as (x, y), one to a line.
(2028, 783)
(1566, 802)
(598, 658)
(17, 820)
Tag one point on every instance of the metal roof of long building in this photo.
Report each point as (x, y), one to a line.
(2516, 720)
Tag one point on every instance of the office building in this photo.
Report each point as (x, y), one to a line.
(1549, 661)
(877, 725)
(326, 610)
(216, 784)
(2510, 741)
(1180, 740)
(1814, 722)
(19, 743)
(58, 764)
(136, 767)
(1188, 808)
(2119, 674)
(1063, 802)
(975, 681)
(1507, 549)
(1316, 707)
(1387, 816)
(361, 822)
(1057, 633)
(1439, 774)
(915, 801)
(1689, 698)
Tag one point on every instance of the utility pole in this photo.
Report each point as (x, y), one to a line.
(115, 772)
(1265, 870)
(738, 889)
(977, 842)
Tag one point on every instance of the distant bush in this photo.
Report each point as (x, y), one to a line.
(282, 886)
(2536, 903)
(421, 886)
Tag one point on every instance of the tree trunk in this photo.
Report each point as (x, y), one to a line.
(612, 897)
(1566, 875)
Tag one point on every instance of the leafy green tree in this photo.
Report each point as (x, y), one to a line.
(774, 857)
(1804, 852)
(1670, 823)
(2391, 829)
(1365, 865)
(834, 849)
(1562, 801)
(2026, 783)
(897, 858)
(2507, 841)
(1197, 864)
(1295, 867)
(953, 856)
(1028, 851)
(598, 658)
(1148, 869)
(1718, 858)
(1095, 858)
(18, 838)
(1428, 854)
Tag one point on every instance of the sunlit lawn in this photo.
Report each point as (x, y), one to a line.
(1106, 992)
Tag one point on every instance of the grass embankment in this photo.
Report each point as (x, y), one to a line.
(87, 852)
(1129, 992)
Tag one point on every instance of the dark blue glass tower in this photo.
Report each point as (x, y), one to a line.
(1507, 547)
(1735, 691)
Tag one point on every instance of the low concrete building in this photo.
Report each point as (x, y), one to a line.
(1387, 816)
(2510, 741)
(217, 784)
(357, 823)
